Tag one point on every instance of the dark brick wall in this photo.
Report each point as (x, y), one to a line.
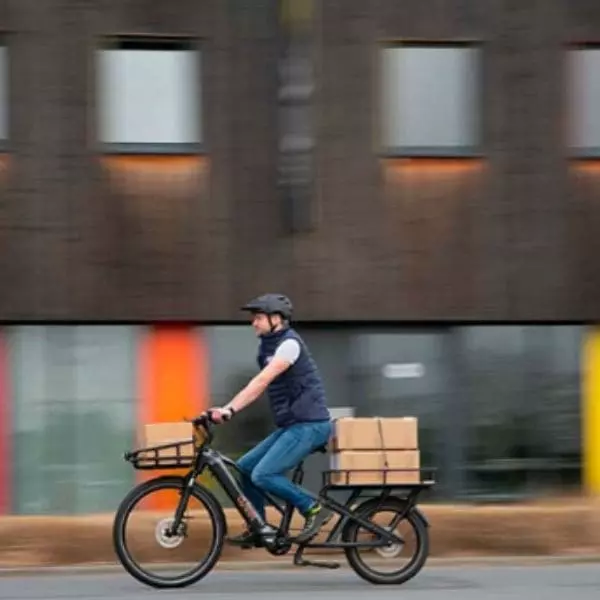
(513, 236)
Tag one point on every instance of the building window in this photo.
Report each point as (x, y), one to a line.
(149, 98)
(584, 130)
(430, 100)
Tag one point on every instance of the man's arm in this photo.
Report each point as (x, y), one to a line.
(285, 356)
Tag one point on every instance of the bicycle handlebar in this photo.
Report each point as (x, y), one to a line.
(205, 420)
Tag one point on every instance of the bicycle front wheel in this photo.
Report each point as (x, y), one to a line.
(142, 543)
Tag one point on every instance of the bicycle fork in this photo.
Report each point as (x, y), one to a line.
(184, 498)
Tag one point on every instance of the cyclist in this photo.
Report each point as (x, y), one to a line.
(298, 404)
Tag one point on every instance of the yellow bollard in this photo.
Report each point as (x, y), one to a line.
(591, 412)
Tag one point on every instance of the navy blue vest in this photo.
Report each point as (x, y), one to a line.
(297, 395)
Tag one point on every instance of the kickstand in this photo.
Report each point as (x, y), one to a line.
(299, 561)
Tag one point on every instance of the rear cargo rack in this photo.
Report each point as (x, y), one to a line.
(378, 478)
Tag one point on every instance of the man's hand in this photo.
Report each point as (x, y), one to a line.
(220, 415)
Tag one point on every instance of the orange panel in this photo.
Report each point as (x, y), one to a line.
(173, 381)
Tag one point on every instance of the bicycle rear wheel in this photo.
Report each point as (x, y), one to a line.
(144, 538)
(418, 550)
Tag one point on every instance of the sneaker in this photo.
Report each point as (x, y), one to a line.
(315, 518)
(246, 539)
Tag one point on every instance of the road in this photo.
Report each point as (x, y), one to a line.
(564, 582)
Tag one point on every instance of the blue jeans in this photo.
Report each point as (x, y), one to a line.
(266, 464)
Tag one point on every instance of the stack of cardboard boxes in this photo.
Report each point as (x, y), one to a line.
(363, 448)
(157, 434)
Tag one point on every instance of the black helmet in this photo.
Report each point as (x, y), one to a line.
(271, 304)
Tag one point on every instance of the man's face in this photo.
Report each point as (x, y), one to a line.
(261, 324)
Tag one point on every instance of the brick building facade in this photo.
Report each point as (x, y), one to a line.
(91, 229)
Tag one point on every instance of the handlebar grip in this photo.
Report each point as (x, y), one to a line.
(204, 418)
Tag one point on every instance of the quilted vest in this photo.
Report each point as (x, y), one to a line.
(297, 395)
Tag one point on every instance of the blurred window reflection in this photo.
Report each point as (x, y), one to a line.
(74, 391)
(149, 94)
(430, 99)
(584, 72)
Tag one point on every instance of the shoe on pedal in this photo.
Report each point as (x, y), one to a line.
(315, 518)
(246, 539)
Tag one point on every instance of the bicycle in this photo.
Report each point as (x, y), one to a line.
(352, 514)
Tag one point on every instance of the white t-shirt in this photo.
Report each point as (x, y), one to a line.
(288, 350)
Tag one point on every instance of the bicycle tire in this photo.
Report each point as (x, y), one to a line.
(350, 533)
(217, 519)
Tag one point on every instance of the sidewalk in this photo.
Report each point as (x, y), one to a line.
(566, 530)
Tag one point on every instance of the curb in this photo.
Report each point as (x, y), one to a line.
(279, 565)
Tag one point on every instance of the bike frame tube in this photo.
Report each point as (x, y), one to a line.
(345, 512)
(218, 464)
(272, 501)
(410, 503)
(355, 495)
(212, 460)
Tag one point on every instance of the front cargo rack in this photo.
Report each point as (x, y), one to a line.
(164, 456)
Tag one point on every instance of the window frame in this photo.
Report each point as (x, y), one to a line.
(575, 151)
(157, 42)
(6, 93)
(432, 151)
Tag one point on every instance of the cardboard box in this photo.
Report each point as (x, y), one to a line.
(373, 463)
(375, 433)
(156, 434)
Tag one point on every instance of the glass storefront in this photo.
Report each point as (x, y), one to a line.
(523, 408)
(74, 400)
(498, 406)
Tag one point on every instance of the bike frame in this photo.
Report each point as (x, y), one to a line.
(218, 465)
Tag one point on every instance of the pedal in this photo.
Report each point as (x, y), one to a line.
(314, 563)
(244, 545)
(299, 561)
